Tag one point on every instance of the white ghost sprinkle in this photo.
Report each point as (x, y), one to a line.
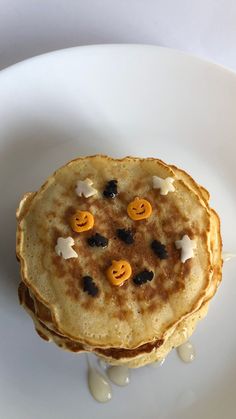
(64, 248)
(186, 245)
(84, 188)
(165, 185)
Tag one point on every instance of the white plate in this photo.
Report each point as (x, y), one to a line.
(119, 100)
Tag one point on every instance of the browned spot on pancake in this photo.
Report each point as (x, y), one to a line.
(173, 220)
(179, 285)
(138, 185)
(164, 294)
(72, 279)
(25, 295)
(122, 196)
(55, 233)
(173, 253)
(41, 225)
(202, 235)
(153, 293)
(51, 214)
(107, 296)
(119, 299)
(217, 269)
(68, 213)
(66, 193)
(146, 292)
(189, 231)
(57, 203)
(21, 289)
(151, 307)
(178, 214)
(187, 267)
(88, 304)
(122, 312)
(43, 312)
(118, 353)
(168, 227)
(73, 346)
(143, 309)
(74, 269)
(58, 266)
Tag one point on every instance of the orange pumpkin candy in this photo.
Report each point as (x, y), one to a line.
(82, 221)
(139, 209)
(119, 272)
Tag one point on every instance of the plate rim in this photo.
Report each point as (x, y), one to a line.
(11, 71)
(156, 48)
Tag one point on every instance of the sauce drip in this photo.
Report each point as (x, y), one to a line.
(119, 375)
(99, 387)
(186, 352)
(226, 256)
(102, 364)
(157, 364)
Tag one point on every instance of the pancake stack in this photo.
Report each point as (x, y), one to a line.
(118, 257)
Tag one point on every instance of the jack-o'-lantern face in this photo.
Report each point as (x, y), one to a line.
(82, 221)
(139, 209)
(119, 272)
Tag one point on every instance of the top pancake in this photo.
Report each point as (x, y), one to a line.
(126, 316)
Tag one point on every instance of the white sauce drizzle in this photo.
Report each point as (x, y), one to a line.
(119, 375)
(102, 364)
(157, 364)
(228, 256)
(186, 352)
(99, 387)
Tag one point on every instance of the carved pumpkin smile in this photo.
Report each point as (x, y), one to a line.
(139, 209)
(119, 272)
(82, 221)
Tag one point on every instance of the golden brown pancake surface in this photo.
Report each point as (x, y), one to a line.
(129, 315)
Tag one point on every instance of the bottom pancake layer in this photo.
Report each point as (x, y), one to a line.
(138, 357)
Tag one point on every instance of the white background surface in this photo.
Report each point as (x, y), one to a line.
(205, 28)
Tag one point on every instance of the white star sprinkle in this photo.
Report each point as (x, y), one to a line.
(64, 248)
(84, 188)
(165, 185)
(187, 246)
